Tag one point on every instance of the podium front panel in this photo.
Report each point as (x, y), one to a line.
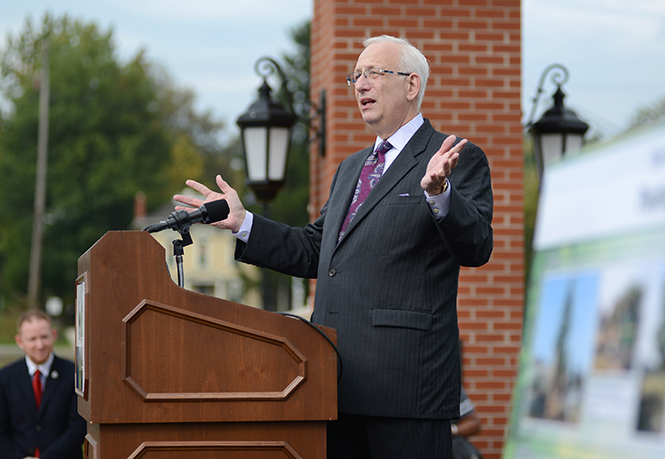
(157, 353)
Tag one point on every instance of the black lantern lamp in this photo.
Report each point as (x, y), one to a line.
(559, 131)
(265, 131)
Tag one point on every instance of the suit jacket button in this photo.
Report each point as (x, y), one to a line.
(38, 427)
(332, 272)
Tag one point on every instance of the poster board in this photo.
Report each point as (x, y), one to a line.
(591, 382)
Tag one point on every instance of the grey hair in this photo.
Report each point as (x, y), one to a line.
(411, 60)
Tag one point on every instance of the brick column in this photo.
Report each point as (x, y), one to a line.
(474, 92)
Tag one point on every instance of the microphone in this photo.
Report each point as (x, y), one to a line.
(209, 212)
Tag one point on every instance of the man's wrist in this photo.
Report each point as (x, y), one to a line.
(245, 228)
(446, 184)
(443, 189)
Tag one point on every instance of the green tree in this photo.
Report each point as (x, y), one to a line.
(114, 129)
(649, 113)
(531, 194)
(197, 151)
(290, 205)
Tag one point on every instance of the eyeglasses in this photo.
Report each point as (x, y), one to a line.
(370, 74)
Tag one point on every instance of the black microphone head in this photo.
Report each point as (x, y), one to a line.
(155, 227)
(217, 210)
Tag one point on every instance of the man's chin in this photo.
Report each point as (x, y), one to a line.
(369, 118)
(39, 359)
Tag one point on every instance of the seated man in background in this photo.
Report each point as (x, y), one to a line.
(468, 424)
(38, 414)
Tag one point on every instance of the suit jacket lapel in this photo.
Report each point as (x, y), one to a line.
(405, 161)
(26, 388)
(51, 383)
(337, 213)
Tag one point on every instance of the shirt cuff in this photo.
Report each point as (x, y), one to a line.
(439, 204)
(246, 228)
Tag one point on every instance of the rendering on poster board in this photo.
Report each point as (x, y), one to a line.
(592, 373)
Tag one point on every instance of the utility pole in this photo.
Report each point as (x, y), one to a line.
(40, 183)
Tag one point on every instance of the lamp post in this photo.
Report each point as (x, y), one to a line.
(559, 131)
(265, 133)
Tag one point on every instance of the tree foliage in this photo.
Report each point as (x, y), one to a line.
(531, 195)
(290, 204)
(649, 113)
(293, 200)
(114, 129)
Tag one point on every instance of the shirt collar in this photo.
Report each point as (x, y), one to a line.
(400, 138)
(44, 368)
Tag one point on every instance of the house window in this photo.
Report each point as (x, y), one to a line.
(205, 289)
(203, 253)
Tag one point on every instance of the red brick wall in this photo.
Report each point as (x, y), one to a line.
(474, 92)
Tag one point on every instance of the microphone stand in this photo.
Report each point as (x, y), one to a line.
(179, 250)
(181, 221)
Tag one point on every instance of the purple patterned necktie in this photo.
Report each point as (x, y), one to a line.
(369, 177)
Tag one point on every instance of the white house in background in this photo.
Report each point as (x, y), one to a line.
(208, 263)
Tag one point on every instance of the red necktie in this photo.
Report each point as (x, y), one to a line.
(37, 387)
(369, 177)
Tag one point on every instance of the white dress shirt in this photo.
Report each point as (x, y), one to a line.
(44, 368)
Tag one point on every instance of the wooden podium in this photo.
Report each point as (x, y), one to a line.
(163, 372)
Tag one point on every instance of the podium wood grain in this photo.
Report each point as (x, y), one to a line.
(174, 373)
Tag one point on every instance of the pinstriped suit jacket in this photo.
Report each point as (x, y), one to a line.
(389, 286)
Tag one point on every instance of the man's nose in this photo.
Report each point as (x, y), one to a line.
(361, 83)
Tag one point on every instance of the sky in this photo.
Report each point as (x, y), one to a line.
(582, 320)
(209, 46)
(614, 50)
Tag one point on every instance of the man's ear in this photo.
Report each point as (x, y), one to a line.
(413, 87)
(19, 342)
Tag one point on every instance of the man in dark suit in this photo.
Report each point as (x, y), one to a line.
(38, 416)
(387, 279)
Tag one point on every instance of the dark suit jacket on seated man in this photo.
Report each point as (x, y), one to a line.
(388, 282)
(55, 430)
